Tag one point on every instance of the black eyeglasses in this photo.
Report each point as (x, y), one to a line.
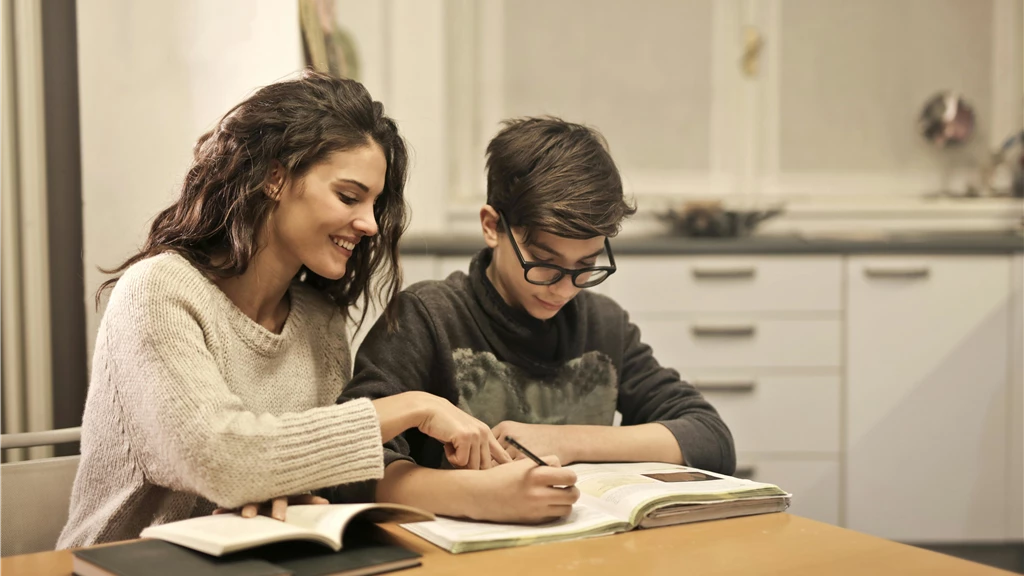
(544, 274)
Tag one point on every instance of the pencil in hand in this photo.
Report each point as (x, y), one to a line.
(525, 452)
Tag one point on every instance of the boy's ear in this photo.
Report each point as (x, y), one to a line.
(489, 225)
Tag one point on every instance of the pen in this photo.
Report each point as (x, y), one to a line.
(525, 452)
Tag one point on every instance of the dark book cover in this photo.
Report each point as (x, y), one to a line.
(362, 555)
(159, 558)
(309, 559)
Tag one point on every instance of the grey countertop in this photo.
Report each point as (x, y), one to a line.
(996, 242)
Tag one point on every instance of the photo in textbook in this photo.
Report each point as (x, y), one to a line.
(680, 477)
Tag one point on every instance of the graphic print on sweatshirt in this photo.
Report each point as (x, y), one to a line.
(584, 390)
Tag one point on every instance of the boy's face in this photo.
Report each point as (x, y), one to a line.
(506, 272)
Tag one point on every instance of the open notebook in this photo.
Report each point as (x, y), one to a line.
(225, 533)
(618, 498)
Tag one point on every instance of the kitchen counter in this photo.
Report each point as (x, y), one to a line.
(996, 242)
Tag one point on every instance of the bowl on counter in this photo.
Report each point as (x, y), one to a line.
(714, 219)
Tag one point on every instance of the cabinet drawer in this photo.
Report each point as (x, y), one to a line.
(795, 413)
(727, 284)
(686, 344)
(814, 484)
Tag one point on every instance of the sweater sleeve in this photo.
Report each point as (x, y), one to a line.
(649, 392)
(189, 432)
(392, 363)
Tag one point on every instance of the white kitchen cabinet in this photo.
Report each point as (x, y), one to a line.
(771, 413)
(844, 82)
(719, 97)
(761, 337)
(728, 284)
(813, 483)
(746, 341)
(1015, 460)
(926, 391)
(674, 77)
(677, 76)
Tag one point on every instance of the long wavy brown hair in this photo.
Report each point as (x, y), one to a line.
(217, 222)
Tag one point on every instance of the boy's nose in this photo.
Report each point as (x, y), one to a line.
(564, 288)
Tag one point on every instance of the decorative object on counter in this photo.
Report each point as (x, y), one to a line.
(713, 219)
(947, 123)
(1010, 156)
(947, 120)
(1001, 172)
(326, 47)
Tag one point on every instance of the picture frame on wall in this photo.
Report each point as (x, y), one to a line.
(325, 45)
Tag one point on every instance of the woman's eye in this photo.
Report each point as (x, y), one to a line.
(348, 199)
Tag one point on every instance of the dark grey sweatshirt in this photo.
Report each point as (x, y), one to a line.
(458, 339)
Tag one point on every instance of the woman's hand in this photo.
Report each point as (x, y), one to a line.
(468, 442)
(275, 508)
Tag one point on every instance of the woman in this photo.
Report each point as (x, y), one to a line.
(223, 346)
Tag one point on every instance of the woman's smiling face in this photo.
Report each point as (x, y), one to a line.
(320, 218)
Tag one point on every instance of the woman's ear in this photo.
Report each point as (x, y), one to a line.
(489, 225)
(275, 181)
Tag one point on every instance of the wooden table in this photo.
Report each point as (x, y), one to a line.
(767, 544)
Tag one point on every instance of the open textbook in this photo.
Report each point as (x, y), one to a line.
(617, 498)
(221, 534)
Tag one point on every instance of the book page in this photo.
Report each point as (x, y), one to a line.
(225, 533)
(464, 535)
(695, 512)
(330, 520)
(631, 490)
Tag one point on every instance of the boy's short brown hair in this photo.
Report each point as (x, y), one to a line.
(554, 176)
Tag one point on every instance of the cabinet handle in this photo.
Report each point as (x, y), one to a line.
(726, 385)
(740, 273)
(752, 45)
(742, 331)
(745, 472)
(907, 273)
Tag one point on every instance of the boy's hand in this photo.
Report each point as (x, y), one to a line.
(537, 438)
(525, 493)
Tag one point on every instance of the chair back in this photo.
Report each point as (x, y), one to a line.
(35, 494)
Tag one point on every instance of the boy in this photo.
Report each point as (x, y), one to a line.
(520, 344)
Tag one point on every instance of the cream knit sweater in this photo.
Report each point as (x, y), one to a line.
(191, 403)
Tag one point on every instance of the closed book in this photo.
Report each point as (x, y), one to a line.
(362, 559)
(159, 558)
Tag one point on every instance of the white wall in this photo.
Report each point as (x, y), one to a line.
(153, 77)
(403, 63)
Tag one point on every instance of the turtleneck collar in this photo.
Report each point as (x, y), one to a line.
(542, 345)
